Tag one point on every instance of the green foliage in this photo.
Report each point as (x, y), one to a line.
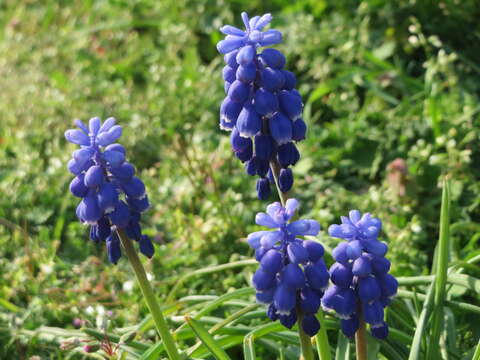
(381, 80)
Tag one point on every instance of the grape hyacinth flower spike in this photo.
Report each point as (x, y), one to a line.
(362, 286)
(112, 196)
(262, 108)
(292, 275)
(112, 200)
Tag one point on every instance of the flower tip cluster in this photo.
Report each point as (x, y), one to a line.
(112, 196)
(262, 108)
(360, 275)
(292, 274)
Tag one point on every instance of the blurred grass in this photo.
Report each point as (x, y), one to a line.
(381, 80)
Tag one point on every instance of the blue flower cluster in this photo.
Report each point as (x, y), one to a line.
(292, 275)
(262, 107)
(112, 196)
(361, 283)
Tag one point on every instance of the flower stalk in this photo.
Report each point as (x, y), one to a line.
(149, 296)
(361, 341)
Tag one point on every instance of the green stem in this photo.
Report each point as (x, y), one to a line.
(361, 340)
(149, 296)
(323, 346)
(275, 167)
(305, 341)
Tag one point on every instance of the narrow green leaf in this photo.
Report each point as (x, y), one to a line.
(441, 269)
(249, 341)
(207, 339)
(476, 356)
(323, 346)
(343, 347)
(208, 270)
(415, 350)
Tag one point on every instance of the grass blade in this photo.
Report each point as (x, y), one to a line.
(415, 349)
(343, 347)
(441, 269)
(249, 341)
(323, 347)
(207, 339)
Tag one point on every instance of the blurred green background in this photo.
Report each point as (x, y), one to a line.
(391, 92)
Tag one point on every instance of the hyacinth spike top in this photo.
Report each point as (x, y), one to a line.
(262, 108)
(292, 275)
(111, 195)
(361, 282)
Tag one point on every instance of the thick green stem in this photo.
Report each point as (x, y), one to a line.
(361, 340)
(149, 296)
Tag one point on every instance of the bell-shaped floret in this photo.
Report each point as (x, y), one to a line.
(266, 103)
(263, 280)
(272, 58)
(108, 137)
(293, 277)
(266, 296)
(271, 238)
(285, 180)
(88, 210)
(339, 253)
(229, 73)
(299, 130)
(254, 238)
(297, 254)
(248, 122)
(379, 331)
(124, 172)
(304, 227)
(314, 249)
(245, 55)
(309, 301)
(229, 110)
(375, 247)
(135, 188)
(271, 79)
(239, 143)
(388, 284)
(317, 275)
(290, 80)
(263, 189)
(239, 91)
(139, 205)
(341, 275)
(284, 299)
(231, 59)
(246, 73)
(245, 154)
(368, 289)
(310, 325)
(272, 261)
(272, 312)
(290, 104)
(113, 158)
(94, 176)
(264, 146)
(113, 248)
(107, 197)
(121, 215)
(361, 267)
(288, 320)
(350, 326)
(77, 186)
(77, 137)
(354, 249)
(373, 312)
(146, 246)
(288, 154)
